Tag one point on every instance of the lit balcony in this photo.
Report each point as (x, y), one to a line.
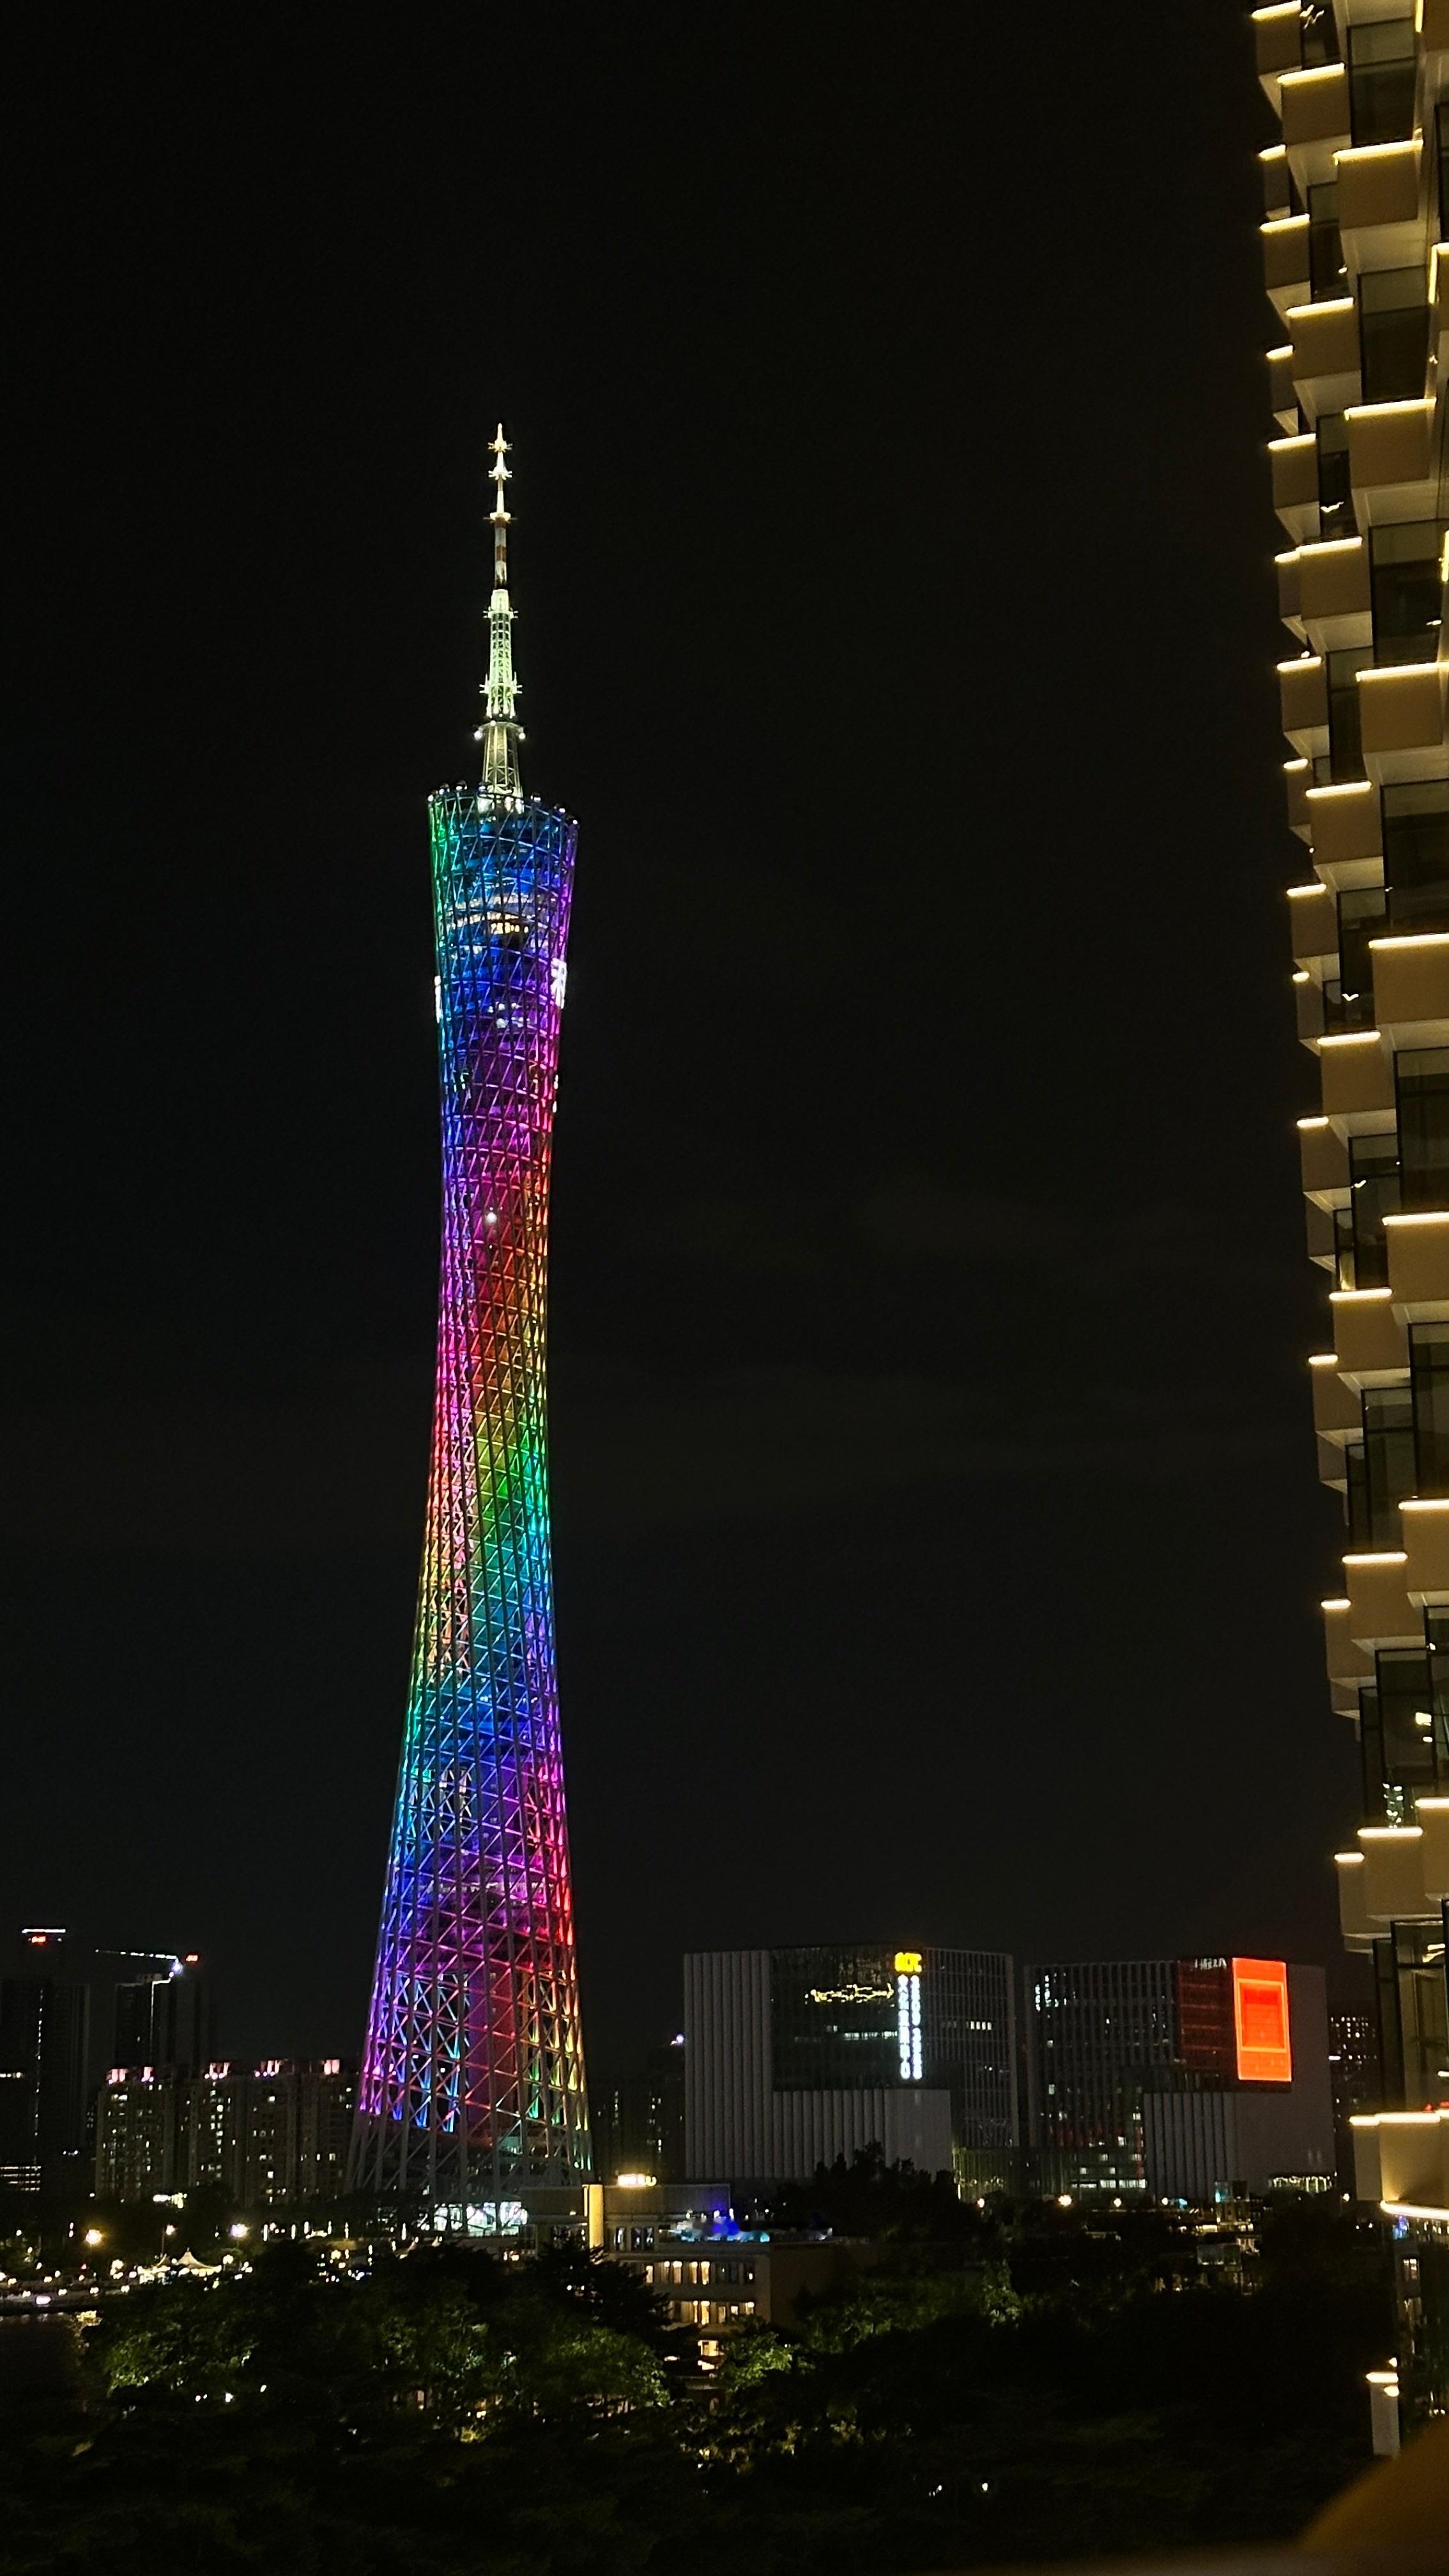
(1358, 1082)
(1402, 715)
(1353, 1918)
(1401, 2160)
(1369, 1339)
(1327, 361)
(1393, 1875)
(1411, 988)
(1290, 591)
(1316, 125)
(1312, 925)
(1308, 1007)
(1277, 45)
(1381, 214)
(1303, 705)
(1294, 463)
(1347, 830)
(1380, 1613)
(1391, 461)
(1348, 1663)
(1282, 392)
(1296, 790)
(1323, 1160)
(1285, 262)
(1322, 1237)
(1419, 1267)
(1277, 181)
(1337, 1411)
(1425, 1524)
(1333, 594)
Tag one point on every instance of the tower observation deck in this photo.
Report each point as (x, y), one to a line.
(473, 2080)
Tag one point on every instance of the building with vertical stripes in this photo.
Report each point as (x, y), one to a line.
(795, 2057)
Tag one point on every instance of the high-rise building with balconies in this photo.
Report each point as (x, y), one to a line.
(1356, 253)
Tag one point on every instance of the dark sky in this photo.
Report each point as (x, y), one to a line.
(937, 1534)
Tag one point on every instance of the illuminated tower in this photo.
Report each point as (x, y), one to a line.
(1356, 265)
(473, 2083)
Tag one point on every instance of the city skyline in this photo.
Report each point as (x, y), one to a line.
(904, 1304)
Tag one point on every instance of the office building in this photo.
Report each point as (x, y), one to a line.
(637, 2124)
(44, 2038)
(1178, 2079)
(795, 2057)
(1353, 2074)
(473, 2079)
(160, 2010)
(263, 2136)
(1357, 194)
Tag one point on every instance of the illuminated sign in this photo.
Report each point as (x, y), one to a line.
(908, 1963)
(1260, 2021)
(848, 1994)
(908, 2018)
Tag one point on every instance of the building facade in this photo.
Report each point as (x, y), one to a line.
(795, 2057)
(45, 2014)
(1357, 210)
(264, 2136)
(473, 2075)
(1178, 2079)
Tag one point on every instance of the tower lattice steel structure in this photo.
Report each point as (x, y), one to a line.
(473, 2080)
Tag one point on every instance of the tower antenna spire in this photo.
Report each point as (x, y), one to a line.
(500, 732)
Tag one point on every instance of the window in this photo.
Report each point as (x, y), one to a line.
(1381, 80)
(1416, 853)
(1345, 746)
(1381, 1467)
(1373, 1172)
(1429, 1379)
(1326, 272)
(1335, 488)
(1406, 590)
(1422, 1076)
(1393, 334)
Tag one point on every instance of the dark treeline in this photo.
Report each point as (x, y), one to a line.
(1029, 2385)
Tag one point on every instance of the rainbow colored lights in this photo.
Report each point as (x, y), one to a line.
(473, 2078)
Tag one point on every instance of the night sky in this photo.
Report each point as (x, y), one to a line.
(937, 1537)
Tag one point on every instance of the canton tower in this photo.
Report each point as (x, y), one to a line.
(473, 2078)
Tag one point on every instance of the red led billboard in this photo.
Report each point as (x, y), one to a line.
(1260, 2021)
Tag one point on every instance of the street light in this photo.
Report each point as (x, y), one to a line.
(94, 2236)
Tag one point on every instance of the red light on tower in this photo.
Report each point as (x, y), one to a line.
(1260, 2021)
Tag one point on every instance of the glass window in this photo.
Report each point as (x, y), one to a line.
(1407, 590)
(1373, 1169)
(1422, 1076)
(1336, 516)
(1345, 745)
(1441, 130)
(1406, 1719)
(1416, 853)
(1429, 1379)
(1381, 80)
(1423, 2012)
(1393, 334)
(1319, 38)
(1327, 275)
